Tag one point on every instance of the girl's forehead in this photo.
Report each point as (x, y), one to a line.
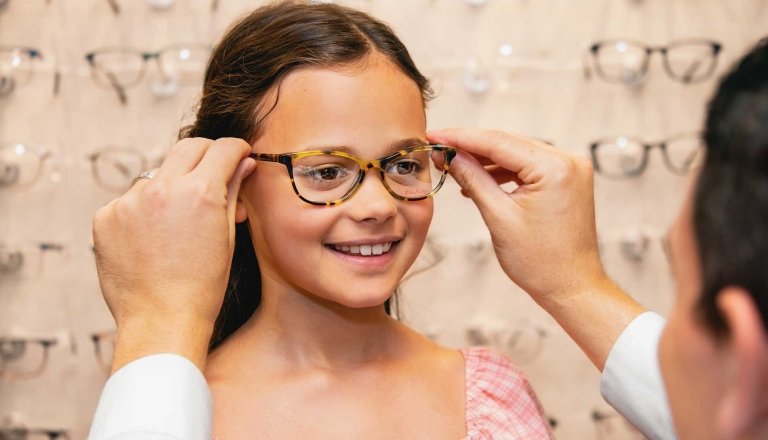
(366, 110)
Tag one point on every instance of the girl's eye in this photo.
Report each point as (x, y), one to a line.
(404, 167)
(327, 173)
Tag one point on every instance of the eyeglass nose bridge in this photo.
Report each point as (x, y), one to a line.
(368, 165)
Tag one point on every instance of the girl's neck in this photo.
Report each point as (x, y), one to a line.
(304, 332)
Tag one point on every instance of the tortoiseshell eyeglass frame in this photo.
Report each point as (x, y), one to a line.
(365, 165)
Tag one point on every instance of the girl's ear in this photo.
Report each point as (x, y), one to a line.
(241, 214)
(745, 405)
(237, 185)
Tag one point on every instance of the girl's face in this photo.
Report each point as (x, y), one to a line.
(370, 111)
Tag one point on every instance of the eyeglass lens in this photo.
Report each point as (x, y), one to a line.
(115, 168)
(15, 65)
(622, 61)
(20, 165)
(690, 61)
(23, 359)
(326, 177)
(117, 67)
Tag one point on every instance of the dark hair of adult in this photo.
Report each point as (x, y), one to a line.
(248, 63)
(731, 197)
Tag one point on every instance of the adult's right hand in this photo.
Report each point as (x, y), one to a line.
(164, 250)
(543, 231)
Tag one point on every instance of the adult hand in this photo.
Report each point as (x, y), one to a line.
(164, 250)
(543, 231)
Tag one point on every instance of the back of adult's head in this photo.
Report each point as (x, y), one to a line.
(241, 87)
(731, 198)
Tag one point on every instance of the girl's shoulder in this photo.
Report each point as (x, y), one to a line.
(500, 402)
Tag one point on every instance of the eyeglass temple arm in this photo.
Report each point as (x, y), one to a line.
(266, 157)
(688, 76)
(585, 62)
(118, 88)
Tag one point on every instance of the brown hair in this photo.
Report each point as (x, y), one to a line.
(248, 63)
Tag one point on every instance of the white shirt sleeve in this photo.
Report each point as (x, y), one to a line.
(631, 380)
(157, 397)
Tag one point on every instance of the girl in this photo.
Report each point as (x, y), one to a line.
(329, 223)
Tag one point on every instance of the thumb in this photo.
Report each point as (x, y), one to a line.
(475, 181)
(243, 170)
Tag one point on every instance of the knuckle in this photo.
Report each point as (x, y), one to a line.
(156, 194)
(562, 169)
(585, 165)
(188, 144)
(203, 193)
(102, 216)
(235, 143)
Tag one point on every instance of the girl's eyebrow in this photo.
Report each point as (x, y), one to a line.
(394, 146)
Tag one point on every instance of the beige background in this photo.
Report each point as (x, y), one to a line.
(538, 90)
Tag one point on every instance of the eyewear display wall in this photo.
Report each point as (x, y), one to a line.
(512, 66)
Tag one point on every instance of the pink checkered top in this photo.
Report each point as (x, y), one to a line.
(500, 402)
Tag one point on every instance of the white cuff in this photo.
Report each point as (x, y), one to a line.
(163, 396)
(631, 380)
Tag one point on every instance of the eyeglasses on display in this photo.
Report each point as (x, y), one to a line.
(120, 68)
(523, 343)
(5, 3)
(329, 177)
(16, 67)
(611, 425)
(104, 347)
(20, 164)
(23, 358)
(626, 61)
(14, 257)
(115, 167)
(627, 156)
(158, 5)
(19, 433)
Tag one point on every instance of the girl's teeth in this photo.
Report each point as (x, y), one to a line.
(365, 249)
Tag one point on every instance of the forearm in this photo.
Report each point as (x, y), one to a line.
(594, 317)
(140, 337)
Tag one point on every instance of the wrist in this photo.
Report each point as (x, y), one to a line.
(140, 337)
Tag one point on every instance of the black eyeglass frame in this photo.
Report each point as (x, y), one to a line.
(145, 57)
(647, 147)
(594, 52)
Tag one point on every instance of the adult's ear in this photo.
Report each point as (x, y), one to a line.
(743, 412)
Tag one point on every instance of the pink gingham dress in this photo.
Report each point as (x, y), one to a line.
(500, 402)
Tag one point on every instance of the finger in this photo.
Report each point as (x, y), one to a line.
(516, 153)
(244, 169)
(503, 175)
(475, 181)
(221, 159)
(141, 180)
(483, 160)
(183, 157)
